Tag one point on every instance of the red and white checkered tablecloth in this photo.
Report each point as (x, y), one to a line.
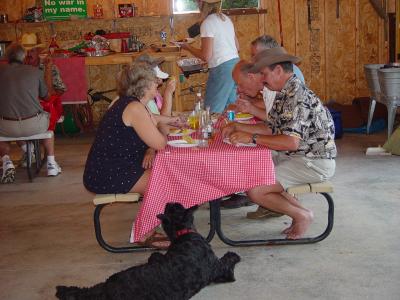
(193, 176)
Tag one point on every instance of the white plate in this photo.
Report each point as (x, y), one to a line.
(183, 143)
(227, 141)
(180, 133)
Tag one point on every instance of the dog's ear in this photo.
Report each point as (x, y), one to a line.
(162, 217)
(191, 210)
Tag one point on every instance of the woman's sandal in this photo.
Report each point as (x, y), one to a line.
(157, 241)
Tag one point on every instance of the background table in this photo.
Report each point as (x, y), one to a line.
(73, 73)
(193, 176)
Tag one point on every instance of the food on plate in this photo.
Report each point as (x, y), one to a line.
(174, 130)
(184, 131)
(188, 139)
(243, 116)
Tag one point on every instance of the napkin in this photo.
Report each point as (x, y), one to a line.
(227, 141)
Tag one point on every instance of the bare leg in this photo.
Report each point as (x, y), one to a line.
(294, 202)
(20, 143)
(141, 184)
(291, 199)
(49, 146)
(140, 187)
(4, 149)
(271, 197)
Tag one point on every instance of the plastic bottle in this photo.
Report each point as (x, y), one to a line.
(203, 132)
(199, 99)
(209, 127)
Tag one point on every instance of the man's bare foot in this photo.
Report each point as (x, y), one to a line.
(300, 226)
(288, 229)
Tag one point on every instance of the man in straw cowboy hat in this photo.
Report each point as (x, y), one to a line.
(298, 127)
(20, 111)
(30, 41)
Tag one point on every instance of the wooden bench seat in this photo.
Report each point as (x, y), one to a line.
(111, 198)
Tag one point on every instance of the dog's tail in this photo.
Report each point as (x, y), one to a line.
(76, 293)
(224, 272)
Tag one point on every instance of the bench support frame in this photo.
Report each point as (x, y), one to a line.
(215, 227)
(104, 244)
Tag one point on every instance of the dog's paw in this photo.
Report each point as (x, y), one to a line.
(224, 271)
(230, 258)
(66, 292)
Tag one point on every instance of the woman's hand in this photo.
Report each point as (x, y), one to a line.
(179, 121)
(148, 158)
(163, 128)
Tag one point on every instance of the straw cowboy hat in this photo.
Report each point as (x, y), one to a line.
(272, 56)
(29, 41)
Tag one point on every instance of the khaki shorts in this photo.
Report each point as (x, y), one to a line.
(35, 125)
(294, 170)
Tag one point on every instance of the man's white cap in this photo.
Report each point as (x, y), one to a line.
(160, 74)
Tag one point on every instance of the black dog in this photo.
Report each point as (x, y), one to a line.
(187, 267)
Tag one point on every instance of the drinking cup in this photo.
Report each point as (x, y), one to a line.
(193, 121)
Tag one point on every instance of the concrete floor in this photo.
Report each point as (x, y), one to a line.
(47, 237)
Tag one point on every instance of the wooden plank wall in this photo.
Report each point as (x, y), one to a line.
(334, 48)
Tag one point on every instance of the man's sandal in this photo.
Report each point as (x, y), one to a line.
(261, 213)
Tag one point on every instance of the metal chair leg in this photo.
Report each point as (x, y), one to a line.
(391, 116)
(28, 160)
(216, 219)
(104, 244)
(372, 104)
(38, 154)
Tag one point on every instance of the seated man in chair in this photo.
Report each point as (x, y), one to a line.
(298, 127)
(20, 111)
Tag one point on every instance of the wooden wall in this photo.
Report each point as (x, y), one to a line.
(333, 47)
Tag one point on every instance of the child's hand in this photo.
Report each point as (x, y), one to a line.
(171, 86)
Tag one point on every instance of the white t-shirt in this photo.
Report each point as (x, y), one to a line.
(223, 33)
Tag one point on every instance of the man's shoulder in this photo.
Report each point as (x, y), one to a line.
(18, 70)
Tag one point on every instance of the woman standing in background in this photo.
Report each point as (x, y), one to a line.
(219, 48)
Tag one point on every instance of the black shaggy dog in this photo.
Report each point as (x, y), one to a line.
(187, 267)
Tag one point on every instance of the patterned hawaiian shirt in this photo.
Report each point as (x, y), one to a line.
(298, 112)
